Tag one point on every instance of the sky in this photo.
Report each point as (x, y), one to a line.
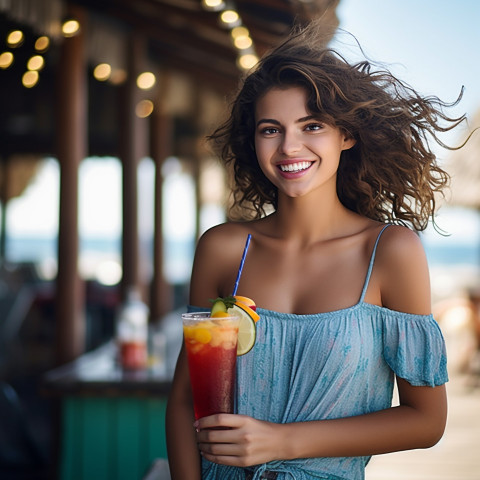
(433, 46)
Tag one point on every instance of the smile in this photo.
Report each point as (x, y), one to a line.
(295, 167)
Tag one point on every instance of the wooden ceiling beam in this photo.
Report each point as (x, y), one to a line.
(221, 79)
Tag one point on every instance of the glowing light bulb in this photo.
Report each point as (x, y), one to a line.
(102, 72)
(36, 63)
(144, 108)
(214, 5)
(146, 80)
(6, 59)
(230, 17)
(42, 44)
(247, 61)
(70, 28)
(240, 32)
(30, 78)
(15, 38)
(242, 42)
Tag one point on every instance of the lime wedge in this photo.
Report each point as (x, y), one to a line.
(218, 306)
(246, 330)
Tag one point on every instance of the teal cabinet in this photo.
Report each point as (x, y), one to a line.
(111, 438)
(112, 424)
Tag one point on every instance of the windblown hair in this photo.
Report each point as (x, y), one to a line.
(391, 173)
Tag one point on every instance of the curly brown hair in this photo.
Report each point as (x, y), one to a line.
(390, 175)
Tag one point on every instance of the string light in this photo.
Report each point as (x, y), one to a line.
(6, 59)
(30, 78)
(15, 38)
(41, 44)
(70, 28)
(144, 108)
(102, 72)
(214, 5)
(230, 18)
(36, 63)
(247, 61)
(242, 42)
(240, 35)
(240, 31)
(146, 80)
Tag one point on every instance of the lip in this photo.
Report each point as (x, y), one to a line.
(294, 173)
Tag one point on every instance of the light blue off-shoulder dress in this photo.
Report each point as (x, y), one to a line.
(331, 365)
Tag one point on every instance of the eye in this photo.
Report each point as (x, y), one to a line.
(269, 131)
(314, 127)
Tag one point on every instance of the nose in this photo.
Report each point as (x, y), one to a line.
(290, 143)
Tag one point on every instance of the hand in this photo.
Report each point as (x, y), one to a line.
(237, 440)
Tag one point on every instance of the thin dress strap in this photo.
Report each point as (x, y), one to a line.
(370, 266)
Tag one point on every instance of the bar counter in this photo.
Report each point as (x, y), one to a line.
(98, 373)
(112, 421)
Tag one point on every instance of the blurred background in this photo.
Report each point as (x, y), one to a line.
(106, 183)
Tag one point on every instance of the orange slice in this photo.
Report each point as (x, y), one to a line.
(252, 313)
(246, 301)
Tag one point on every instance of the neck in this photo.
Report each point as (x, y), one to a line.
(310, 218)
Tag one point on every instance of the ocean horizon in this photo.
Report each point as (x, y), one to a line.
(37, 249)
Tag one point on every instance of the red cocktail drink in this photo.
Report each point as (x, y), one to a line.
(211, 344)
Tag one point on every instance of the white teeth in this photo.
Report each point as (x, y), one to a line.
(295, 167)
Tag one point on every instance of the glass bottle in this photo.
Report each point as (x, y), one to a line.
(132, 331)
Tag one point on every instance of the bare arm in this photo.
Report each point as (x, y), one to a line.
(183, 453)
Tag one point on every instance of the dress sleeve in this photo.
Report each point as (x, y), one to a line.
(414, 349)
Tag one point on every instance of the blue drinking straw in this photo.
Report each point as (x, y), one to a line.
(240, 268)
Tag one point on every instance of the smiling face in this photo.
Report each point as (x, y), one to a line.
(296, 151)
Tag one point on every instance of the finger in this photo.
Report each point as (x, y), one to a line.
(219, 449)
(216, 435)
(219, 420)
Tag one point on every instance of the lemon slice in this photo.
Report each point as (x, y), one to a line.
(246, 329)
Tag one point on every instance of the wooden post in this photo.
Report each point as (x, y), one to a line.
(132, 141)
(72, 139)
(161, 139)
(197, 160)
(4, 196)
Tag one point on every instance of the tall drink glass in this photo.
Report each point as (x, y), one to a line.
(211, 344)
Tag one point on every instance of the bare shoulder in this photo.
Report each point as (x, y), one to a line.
(225, 232)
(398, 246)
(402, 271)
(222, 243)
(217, 257)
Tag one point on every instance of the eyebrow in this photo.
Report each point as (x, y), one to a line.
(276, 122)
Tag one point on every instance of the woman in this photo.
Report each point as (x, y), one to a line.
(337, 154)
